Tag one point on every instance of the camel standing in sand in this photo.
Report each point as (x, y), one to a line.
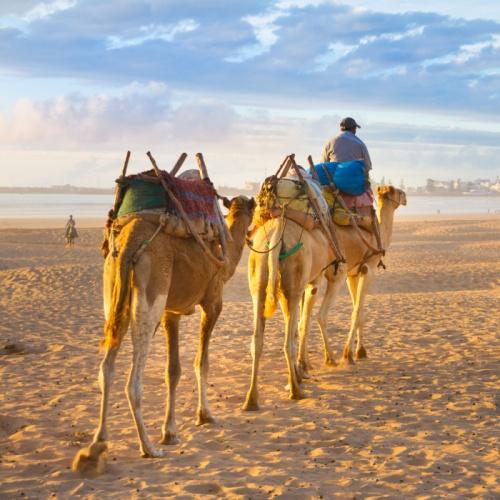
(360, 273)
(271, 279)
(166, 282)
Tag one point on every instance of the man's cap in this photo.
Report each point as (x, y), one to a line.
(349, 123)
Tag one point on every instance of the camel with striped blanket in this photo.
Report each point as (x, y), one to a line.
(166, 282)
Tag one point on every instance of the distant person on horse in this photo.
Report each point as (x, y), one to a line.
(70, 232)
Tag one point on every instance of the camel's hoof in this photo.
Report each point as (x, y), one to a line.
(288, 387)
(347, 361)
(330, 362)
(250, 405)
(297, 395)
(347, 357)
(153, 453)
(91, 460)
(361, 353)
(169, 439)
(204, 418)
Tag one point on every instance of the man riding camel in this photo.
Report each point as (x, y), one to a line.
(345, 147)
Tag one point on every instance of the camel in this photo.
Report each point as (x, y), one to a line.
(360, 274)
(166, 282)
(271, 279)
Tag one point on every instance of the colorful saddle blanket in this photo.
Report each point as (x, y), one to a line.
(144, 191)
(349, 177)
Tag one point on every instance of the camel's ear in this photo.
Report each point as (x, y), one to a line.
(251, 203)
(379, 190)
(226, 202)
(391, 189)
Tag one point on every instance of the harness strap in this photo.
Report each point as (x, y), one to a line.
(368, 255)
(292, 250)
(146, 243)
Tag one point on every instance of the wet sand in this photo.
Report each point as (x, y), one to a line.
(418, 418)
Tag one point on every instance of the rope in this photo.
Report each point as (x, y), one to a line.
(283, 208)
(249, 242)
(146, 243)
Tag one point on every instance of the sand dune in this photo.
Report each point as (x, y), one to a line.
(418, 418)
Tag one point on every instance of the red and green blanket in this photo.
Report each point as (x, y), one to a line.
(144, 191)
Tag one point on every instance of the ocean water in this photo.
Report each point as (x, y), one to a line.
(48, 206)
(22, 206)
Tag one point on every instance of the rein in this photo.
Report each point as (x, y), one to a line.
(269, 250)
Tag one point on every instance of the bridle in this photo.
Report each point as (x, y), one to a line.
(393, 200)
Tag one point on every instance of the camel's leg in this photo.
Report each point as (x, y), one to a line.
(106, 373)
(92, 458)
(332, 290)
(143, 325)
(352, 285)
(358, 288)
(252, 398)
(290, 308)
(364, 284)
(307, 305)
(210, 312)
(172, 375)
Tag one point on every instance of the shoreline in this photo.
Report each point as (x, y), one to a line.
(99, 223)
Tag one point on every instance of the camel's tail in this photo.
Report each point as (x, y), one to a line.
(119, 302)
(273, 267)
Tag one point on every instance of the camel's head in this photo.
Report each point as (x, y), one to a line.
(392, 194)
(239, 205)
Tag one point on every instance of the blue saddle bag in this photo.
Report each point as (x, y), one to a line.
(348, 176)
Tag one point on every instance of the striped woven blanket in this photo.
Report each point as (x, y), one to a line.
(144, 191)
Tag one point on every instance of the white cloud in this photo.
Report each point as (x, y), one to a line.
(394, 37)
(70, 120)
(203, 121)
(464, 53)
(166, 33)
(137, 114)
(338, 50)
(335, 52)
(47, 9)
(264, 29)
(40, 11)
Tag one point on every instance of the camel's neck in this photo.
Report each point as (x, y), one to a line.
(238, 226)
(385, 214)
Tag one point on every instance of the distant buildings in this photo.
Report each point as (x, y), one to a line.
(458, 187)
(478, 187)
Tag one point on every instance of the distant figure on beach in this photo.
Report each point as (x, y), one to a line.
(70, 232)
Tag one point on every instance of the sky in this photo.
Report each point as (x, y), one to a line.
(246, 83)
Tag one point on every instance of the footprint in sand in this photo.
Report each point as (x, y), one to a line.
(20, 348)
(203, 489)
(11, 425)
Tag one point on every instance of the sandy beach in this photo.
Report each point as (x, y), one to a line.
(417, 419)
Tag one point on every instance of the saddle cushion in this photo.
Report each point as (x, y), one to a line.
(340, 216)
(145, 192)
